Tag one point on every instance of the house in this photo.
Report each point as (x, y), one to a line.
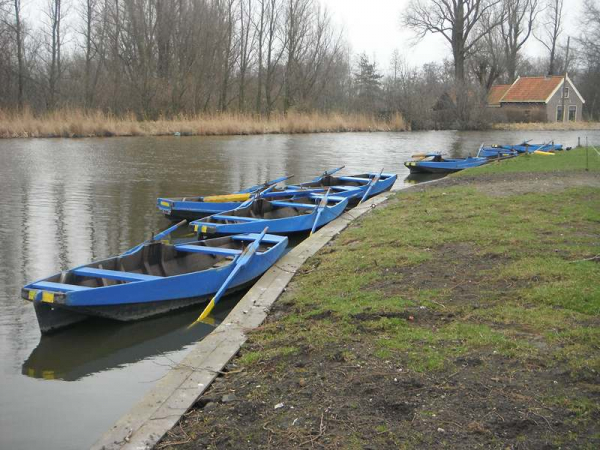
(537, 99)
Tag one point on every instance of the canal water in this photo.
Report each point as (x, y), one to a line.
(64, 202)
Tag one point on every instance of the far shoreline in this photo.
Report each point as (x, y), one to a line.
(93, 124)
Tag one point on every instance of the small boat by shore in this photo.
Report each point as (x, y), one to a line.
(495, 151)
(352, 187)
(151, 279)
(435, 163)
(282, 217)
(192, 208)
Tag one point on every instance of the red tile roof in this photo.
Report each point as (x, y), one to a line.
(496, 93)
(532, 89)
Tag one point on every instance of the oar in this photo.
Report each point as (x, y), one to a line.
(332, 171)
(481, 148)
(157, 237)
(240, 261)
(277, 180)
(371, 185)
(320, 208)
(256, 197)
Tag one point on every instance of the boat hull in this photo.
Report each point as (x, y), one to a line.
(444, 166)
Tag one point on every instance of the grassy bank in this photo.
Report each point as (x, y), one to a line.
(75, 123)
(464, 314)
(547, 126)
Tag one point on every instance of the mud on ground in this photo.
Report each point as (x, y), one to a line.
(347, 393)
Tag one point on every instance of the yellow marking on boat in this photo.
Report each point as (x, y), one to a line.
(226, 198)
(204, 228)
(541, 152)
(32, 294)
(163, 203)
(48, 374)
(31, 372)
(196, 228)
(48, 297)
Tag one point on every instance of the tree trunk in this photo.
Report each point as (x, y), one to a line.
(19, 38)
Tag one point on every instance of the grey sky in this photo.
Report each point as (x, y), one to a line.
(373, 26)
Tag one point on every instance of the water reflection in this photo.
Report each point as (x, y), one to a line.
(98, 345)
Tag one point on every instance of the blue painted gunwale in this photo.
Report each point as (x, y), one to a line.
(202, 283)
(223, 224)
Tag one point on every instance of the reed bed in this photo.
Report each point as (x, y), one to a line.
(81, 123)
(547, 126)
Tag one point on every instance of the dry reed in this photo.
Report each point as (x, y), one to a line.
(80, 123)
(547, 126)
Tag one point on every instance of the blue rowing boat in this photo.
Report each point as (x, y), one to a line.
(435, 163)
(192, 208)
(282, 217)
(352, 187)
(150, 279)
(496, 151)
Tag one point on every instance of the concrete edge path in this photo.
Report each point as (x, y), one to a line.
(162, 407)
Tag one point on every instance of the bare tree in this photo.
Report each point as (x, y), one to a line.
(456, 21)
(17, 28)
(551, 30)
(55, 13)
(487, 61)
(298, 18)
(516, 26)
(589, 47)
(274, 54)
(246, 49)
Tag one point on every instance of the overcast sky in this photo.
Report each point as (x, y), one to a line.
(373, 26)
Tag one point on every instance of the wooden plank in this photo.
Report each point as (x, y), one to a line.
(113, 274)
(58, 287)
(293, 205)
(238, 218)
(208, 250)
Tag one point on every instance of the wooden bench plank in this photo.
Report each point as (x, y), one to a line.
(208, 250)
(293, 205)
(113, 274)
(57, 287)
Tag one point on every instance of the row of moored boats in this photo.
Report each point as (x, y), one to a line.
(436, 163)
(237, 238)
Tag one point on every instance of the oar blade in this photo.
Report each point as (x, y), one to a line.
(320, 208)
(372, 184)
(239, 262)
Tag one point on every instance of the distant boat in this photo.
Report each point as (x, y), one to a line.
(152, 278)
(435, 163)
(282, 217)
(495, 151)
(353, 187)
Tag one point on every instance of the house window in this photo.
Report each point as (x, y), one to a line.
(566, 92)
(559, 113)
(572, 113)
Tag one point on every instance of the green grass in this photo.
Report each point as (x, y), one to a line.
(351, 290)
(561, 161)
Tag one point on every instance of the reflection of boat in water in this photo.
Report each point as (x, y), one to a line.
(98, 345)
